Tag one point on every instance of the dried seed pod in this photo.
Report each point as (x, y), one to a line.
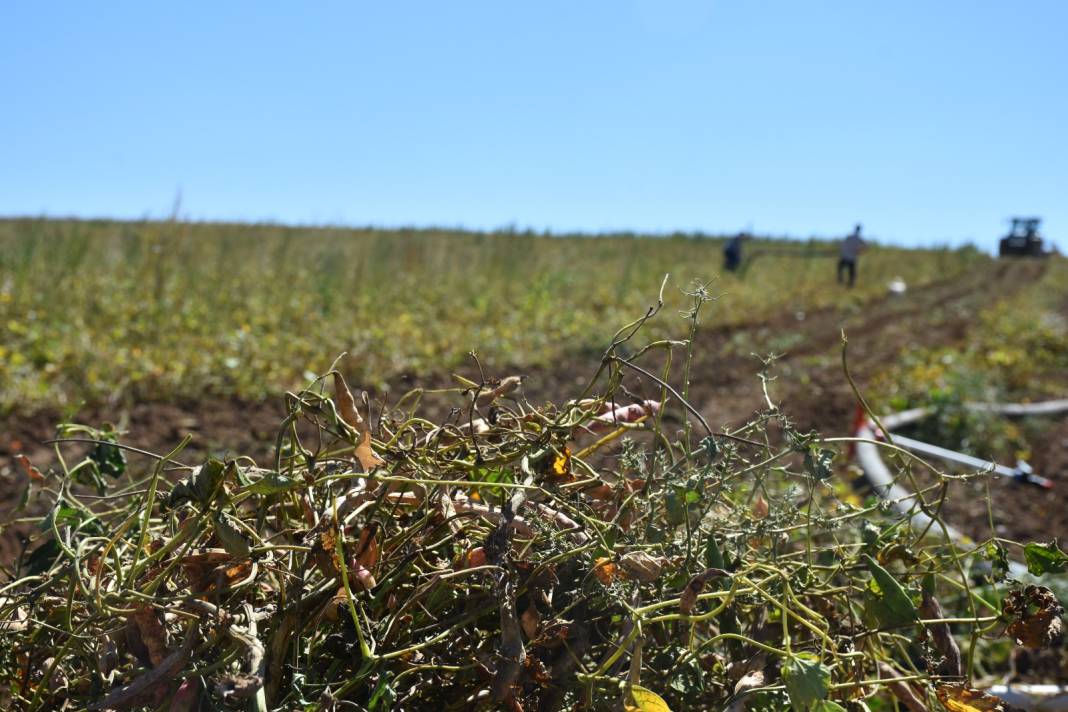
(640, 566)
(506, 386)
(688, 597)
(351, 416)
(346, 404)
(942, 637)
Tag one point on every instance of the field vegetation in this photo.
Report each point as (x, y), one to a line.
(105, 312)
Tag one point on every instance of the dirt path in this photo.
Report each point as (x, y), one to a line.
(809, 382)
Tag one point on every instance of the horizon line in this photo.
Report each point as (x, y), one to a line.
(505, 229)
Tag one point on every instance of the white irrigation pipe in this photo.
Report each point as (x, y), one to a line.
(1033, 698)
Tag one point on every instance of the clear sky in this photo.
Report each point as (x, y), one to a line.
(928, 121)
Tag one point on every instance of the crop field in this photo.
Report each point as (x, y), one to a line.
(277, 468)
(121, 313)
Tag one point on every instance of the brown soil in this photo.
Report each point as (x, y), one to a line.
(809, 386)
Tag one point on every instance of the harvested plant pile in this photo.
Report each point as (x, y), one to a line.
(609, 552)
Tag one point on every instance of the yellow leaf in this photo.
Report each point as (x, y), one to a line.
(643, 700)
(956, 698)
(562, 463)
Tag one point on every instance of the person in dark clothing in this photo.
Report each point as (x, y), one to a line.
(732, 252)
(848, 252)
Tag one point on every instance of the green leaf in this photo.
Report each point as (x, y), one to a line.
(887, 601)
(869, 533)
(272, 483)
(818, 462)
(200, 486)
(645, 700)
(384, 695)
(60, 514)
(708, 444)
(232, 540)
(674, 509)
(493, 476)
(87, 473)
(999, 560)
(713, 556)
(807, 681)
(109, 460)
(827, 706)
(42, 558)
(206, 479)
(1045, 558)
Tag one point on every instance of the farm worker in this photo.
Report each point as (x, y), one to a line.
(732, 252)
(848, 251)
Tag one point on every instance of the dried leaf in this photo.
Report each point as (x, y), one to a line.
(367, 546)
(623, 414)
(600, 493)
(32, 472)
(511, 653)
(229, 575)
(957, 698)
(536, 671)
(1040, 630)
(152, 631)
(148, 685)
(760, 507)
(476, 557)
(346, 404)
(187, 697)
(366, 456)
(1038, 621)
(324, 549)
(530, 620)
(553, 634)
(361, 578)
(604, 570)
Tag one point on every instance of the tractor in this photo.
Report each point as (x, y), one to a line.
(1023, 239)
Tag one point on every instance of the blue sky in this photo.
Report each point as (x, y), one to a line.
(928, 121)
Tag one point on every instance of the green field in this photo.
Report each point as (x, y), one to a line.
(107, 312)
